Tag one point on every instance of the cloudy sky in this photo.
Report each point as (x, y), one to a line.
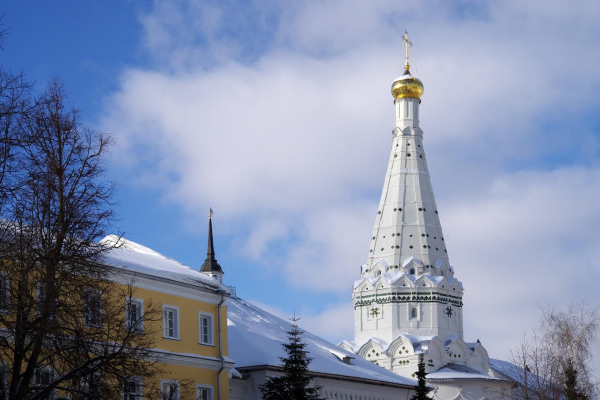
(278, 115)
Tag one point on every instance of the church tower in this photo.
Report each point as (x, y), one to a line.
(407, 284)
(407, 301)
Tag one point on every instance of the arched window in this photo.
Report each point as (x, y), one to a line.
(412, 271)
(413, 313)
(378, 273)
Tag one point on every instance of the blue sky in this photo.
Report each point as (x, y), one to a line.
(278, 116)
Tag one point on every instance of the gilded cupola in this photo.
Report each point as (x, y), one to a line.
(407, 85)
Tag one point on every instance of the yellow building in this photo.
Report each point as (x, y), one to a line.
(192, 343)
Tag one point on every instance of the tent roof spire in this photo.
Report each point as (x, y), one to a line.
(210, 264)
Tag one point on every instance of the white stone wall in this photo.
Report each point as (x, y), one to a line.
(472, 390)
(248, 389)
(407, 112)
(394, 319)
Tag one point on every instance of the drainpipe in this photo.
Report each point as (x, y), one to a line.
(222, 293)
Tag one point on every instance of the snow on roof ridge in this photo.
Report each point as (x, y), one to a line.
(411, 258)
(123, 243)
(135, 257)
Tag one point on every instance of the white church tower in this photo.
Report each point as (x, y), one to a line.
(407, 243)
(407, 300)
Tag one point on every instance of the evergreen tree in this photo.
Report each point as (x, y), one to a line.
(294, 385)
(422, 389)
(571, 390)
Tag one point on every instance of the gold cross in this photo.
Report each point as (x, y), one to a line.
(407, 43)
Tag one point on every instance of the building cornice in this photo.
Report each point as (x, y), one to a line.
(173, 287)
(192, 360)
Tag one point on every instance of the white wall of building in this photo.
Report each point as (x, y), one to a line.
(336, 389)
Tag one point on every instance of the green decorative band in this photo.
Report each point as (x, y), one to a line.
(411, 293)
(408, 299)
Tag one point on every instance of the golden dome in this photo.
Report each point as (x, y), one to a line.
(407, 86)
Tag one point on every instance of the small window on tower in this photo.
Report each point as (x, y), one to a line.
(413, 313)
(412, 271)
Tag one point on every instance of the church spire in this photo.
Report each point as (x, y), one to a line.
(211, 266)
(407, 226)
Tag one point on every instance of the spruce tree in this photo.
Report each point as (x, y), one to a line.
(570, 385)
(294, 385)
(422, 389)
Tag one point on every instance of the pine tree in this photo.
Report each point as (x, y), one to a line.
(422, 389)
(294, 385)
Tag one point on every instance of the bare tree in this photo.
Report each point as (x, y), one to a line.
(66, 324)
(3, 32)
(15, 102)
(534, 369)
(571, 336)
(555, 362)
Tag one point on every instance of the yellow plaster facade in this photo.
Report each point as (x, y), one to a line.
(187, 359)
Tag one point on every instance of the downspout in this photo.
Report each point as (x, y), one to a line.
(221, 292)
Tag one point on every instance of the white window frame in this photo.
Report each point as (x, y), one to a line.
(128, 301)
(87, 380)
(50, 371)
(211, 341)
(86, 310)
(178, 333)
(38, 296)
(138, 381)
(202, 386)
(170, 382)
(4, 277)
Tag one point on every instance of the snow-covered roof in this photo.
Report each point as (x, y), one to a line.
(136, 258)
(511, 371)
(459, 371)
(255, 339)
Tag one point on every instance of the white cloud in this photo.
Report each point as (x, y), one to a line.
(292, 140)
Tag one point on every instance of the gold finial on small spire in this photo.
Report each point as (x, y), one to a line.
(407, 43)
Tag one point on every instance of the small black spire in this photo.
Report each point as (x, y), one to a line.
(210, 264)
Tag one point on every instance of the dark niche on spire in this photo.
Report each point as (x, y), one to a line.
(210, 264)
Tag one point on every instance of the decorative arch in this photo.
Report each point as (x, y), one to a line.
(482, 355)
(401, 347)
(458, 351)
(364, 285)
(368, 348)
(402, 281)
(456, 285)
(424, 280)
(410, 263)
(444, 283)
(436, 349)
(346, 346)
(378, 269)
(407, 131)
